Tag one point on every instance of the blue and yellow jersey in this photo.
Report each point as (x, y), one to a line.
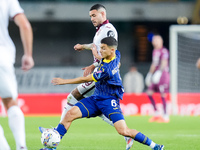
(107, 78)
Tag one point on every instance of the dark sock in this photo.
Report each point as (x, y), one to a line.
(152, 102)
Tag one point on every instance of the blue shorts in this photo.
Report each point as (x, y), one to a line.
(96, 105)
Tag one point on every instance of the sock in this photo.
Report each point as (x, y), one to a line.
(104, 118)
(152, 145)
(61, 130)
(4, 143)
(152, 102)
(164, 105)
(143, 139)
(71, 101)
(17, 126)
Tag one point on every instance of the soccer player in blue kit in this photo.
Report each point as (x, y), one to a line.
(108, 92)
(104, 28)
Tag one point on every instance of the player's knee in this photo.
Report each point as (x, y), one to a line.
(72, 114)
(69, 116)
(9, 102)
(122, 131)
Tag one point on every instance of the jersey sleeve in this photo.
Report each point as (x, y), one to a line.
(165, 54)
(100, 74)
(14, 8)
(110, 31)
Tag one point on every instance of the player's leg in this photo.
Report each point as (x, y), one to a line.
(4, 143)
(72, 99)
(165, 118)
(122, 129)
(156, 113)
(163, 89)
(85, 108)
(8, 93)
(64, 125)
(81, 91)
(112, 106)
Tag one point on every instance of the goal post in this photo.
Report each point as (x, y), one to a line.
(184, 52)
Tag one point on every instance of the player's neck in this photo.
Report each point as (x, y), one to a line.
(109, 58)
(104, 22)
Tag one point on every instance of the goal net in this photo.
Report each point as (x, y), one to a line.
(184, 52)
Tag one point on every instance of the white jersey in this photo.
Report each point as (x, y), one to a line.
(105, 30)
(8, 9)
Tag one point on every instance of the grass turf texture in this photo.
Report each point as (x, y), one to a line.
(182, 133)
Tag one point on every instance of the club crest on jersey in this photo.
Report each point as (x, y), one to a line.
(110, 33)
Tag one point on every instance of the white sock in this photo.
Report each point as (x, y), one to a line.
(156, 113)
(17, 126)
(104, 118)
(3, 142)
(152, 145)
(71, 101)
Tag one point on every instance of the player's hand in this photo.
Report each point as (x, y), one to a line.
(148, 79)
(57, 81)
(88, 70)
(78, 47)
(27, 62)
(94, 52)
(156, 77)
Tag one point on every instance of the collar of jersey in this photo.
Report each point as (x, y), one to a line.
(105, 22)
(107, 61)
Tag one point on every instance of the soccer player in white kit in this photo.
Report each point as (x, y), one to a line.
(103, 29)
(8, 84)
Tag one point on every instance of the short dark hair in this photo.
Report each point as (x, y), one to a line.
(110, 41)
(97, 7)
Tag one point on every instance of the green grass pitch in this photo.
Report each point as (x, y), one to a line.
(182, 133)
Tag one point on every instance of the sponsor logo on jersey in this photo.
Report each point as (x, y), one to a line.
(110, 33)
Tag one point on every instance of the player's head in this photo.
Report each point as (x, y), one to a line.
(108, 47)
(157, 41)
(97, 14)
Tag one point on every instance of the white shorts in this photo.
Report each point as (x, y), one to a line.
(8, 82)
(86, 89)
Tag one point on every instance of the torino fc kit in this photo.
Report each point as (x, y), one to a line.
(158, 56)
(8, 84)
(108, 92)
(105, 29)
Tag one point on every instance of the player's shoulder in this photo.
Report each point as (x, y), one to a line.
(109, 26)
(165, 50)
(118, 54)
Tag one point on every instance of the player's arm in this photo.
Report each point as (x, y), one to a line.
(60, 81)
(80, 47)
(95, 53)
(26, 35)
(148, 77)
(163, 64)
(157, 75)
(88, 70)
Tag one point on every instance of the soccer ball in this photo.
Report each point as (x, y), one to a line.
(50, 138)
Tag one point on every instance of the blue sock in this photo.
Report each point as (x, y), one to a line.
(142, 139)
(61, 130)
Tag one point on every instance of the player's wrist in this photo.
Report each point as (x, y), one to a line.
(87, 46)
(95, 64)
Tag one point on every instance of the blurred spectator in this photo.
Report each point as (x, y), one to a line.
(133, 81)
(198, 63)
